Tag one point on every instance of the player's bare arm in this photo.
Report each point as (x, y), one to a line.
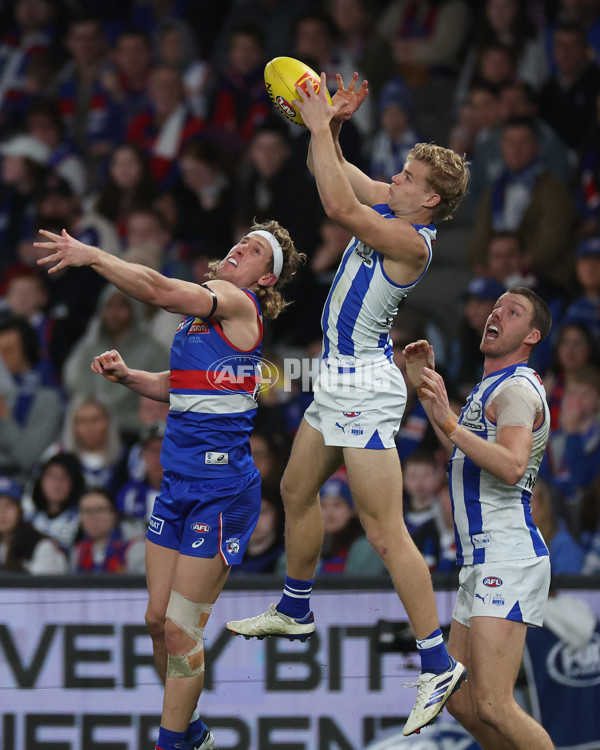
(111, 365)
(507, 458)
(367, 191)
(395, 239)
(143, 283)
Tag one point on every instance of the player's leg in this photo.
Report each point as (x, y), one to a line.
(375, 480)
(461, 705)
(496, 649)
(311, 463)
(197, 583)
(160, 569)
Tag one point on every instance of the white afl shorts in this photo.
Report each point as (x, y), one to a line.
(515, 590)
(358, 407)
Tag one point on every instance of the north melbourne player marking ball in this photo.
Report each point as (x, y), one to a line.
(282, 75)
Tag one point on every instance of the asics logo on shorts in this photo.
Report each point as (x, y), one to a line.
(197, 543)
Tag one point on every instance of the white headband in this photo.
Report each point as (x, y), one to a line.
(276, 247)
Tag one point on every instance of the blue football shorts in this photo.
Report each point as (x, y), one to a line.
(203, 517)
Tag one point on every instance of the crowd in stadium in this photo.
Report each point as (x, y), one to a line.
(143, 127)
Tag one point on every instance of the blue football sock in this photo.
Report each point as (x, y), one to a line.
(432, 650)
(168, 740)
(295, 601)
(196, 728)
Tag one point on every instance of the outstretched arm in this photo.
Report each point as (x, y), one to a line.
(143, 283)
(153, 385)
(366, 190)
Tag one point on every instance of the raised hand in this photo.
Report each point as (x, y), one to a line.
(66, 250)
(352, 96)
(314, 107)
(111, 365)
(418, 355)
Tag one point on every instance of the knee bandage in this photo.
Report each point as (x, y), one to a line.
(189, 617)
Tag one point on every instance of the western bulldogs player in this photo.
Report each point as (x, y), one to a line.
(210, 496)
(360, 394)
(499, 441)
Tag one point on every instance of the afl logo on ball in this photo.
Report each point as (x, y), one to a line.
(492, 582)
(285, 106)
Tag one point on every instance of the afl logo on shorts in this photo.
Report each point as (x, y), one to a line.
(201, 528)
(351, 414)
(492, 582)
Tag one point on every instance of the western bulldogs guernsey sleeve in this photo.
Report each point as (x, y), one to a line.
(363, 301)
(492, 520)
(212, 396)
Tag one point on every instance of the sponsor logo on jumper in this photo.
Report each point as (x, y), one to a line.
(481, 541)
(198, 326)
(232, 545)
(220, 459)
(200, 528)
(197, 543)
(364, 253)
(492, 582)
(156, 524)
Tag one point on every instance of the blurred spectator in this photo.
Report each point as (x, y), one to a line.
(104, 548)
(200, 203)
(43, 121)
(590, 528)
(396, 134)
(176, 46)
(30, 412)
(370, 52)
(24, 160)
(127, 82)
(574, 347)
(587, 187)
(32, 37)
(316, 43)
(22, 548)
(265, 547)
(166, 124)
(566, 555)
(573, 453)
(52, 506)
(264, 188)
(478, 299)
(26, 297)
(240, 101)
(149, 411)
(129, 185)
(423, 513)
(135, 499)
(518, 100)
(585, 308)
(526, 199)
(426, 35)
(568, 98)
(92, 119)
(340, 523)
(268, 455)
(91, 432)
(506, 23)
(485, 113)
(118, 324)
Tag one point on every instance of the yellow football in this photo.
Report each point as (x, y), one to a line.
(282, 75)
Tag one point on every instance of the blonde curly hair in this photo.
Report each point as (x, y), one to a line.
(269, 297)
